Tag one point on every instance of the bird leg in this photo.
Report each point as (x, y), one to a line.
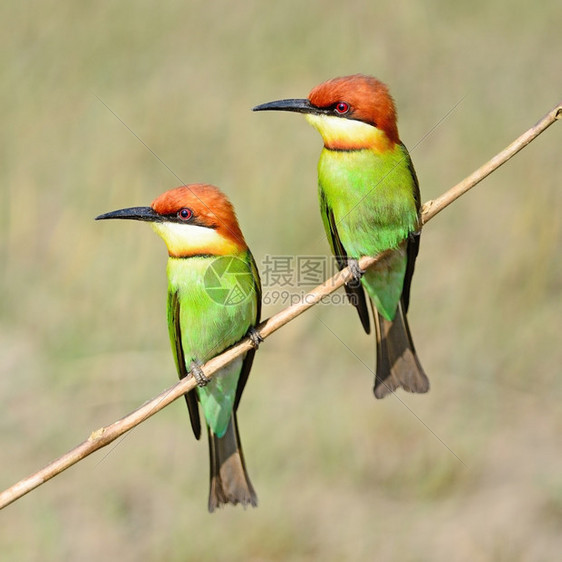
(356, 272)
(255, 337)
(198, 374)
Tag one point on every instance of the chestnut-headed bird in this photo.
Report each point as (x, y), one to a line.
(214, 299)
(370, 202)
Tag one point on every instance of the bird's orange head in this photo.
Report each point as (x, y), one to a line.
(350, 112)
(193, 220)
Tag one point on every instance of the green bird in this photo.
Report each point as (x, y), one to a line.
(370, 202)
(214, 300)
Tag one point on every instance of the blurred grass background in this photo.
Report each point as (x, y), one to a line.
(83, 338)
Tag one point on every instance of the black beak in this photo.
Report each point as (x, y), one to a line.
(133, 213)
(297, 105)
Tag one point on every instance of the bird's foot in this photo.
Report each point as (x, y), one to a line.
(198, 374)
(255, 337)
(356, 272)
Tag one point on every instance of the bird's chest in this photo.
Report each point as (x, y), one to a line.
(371, 198)
(216, 308)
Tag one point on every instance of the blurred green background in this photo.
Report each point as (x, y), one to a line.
(83, 338)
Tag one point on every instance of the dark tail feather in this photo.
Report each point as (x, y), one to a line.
(397, 362)
(356, 295)
(229, 480)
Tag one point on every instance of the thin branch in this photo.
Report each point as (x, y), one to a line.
(105, 435)
(431, 208)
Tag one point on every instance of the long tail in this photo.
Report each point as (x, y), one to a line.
(397, 362)
(229, 480)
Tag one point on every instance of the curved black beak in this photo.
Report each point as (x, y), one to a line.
(296, 105)
(133, 213)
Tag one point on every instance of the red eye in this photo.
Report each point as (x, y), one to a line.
(185, 214)
(342, 107)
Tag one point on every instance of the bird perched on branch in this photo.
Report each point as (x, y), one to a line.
(370, 202)
(214, 300)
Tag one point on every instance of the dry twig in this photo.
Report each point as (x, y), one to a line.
(105, 435)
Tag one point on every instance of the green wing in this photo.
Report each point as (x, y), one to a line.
(249, 359)
(177, 348)
(355, 292)
(413, 244)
